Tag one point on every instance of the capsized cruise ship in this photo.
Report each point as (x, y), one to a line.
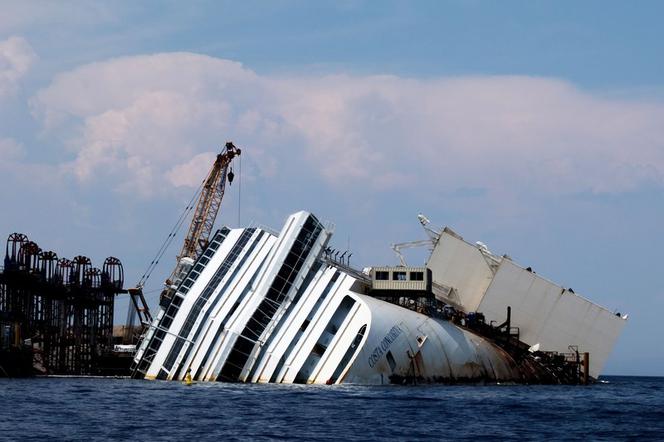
(262, 306)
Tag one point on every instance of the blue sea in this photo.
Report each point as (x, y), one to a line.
(82, 409)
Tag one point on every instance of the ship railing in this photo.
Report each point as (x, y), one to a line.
(346, 268)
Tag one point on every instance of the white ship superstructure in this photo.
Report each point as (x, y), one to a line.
(258, 306)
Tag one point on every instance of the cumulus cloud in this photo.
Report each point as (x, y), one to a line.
(152, 121)
(193, 172)
(16, 58)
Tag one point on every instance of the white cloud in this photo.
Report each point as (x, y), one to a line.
(193, 172)
(149, 121)
(16, 58)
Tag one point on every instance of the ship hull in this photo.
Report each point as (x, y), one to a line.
(262, 307)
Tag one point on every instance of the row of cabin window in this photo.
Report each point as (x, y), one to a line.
(202, 262)
(176, 302)
(167, 320)
(196, 308)
(399, 276)
(213, 284)
(273, 299)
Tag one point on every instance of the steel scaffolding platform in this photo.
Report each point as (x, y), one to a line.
(59, 310)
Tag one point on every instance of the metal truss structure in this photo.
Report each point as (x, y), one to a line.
(58, 309)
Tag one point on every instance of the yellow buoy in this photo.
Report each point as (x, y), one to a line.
(187, 377)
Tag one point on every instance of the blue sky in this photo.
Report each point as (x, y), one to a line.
(536, 127)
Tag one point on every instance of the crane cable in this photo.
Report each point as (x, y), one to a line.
(171, 236)
(239, 197)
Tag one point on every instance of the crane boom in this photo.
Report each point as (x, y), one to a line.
(208, 204)
(207, 208)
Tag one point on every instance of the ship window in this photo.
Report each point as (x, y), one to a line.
(321, 345)
(417, 276)
(390, 360)
(354, 346)
(382, 276)
(319, 349)
(398, 276)
(304, 325)
(172, 311)
(166, 321)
